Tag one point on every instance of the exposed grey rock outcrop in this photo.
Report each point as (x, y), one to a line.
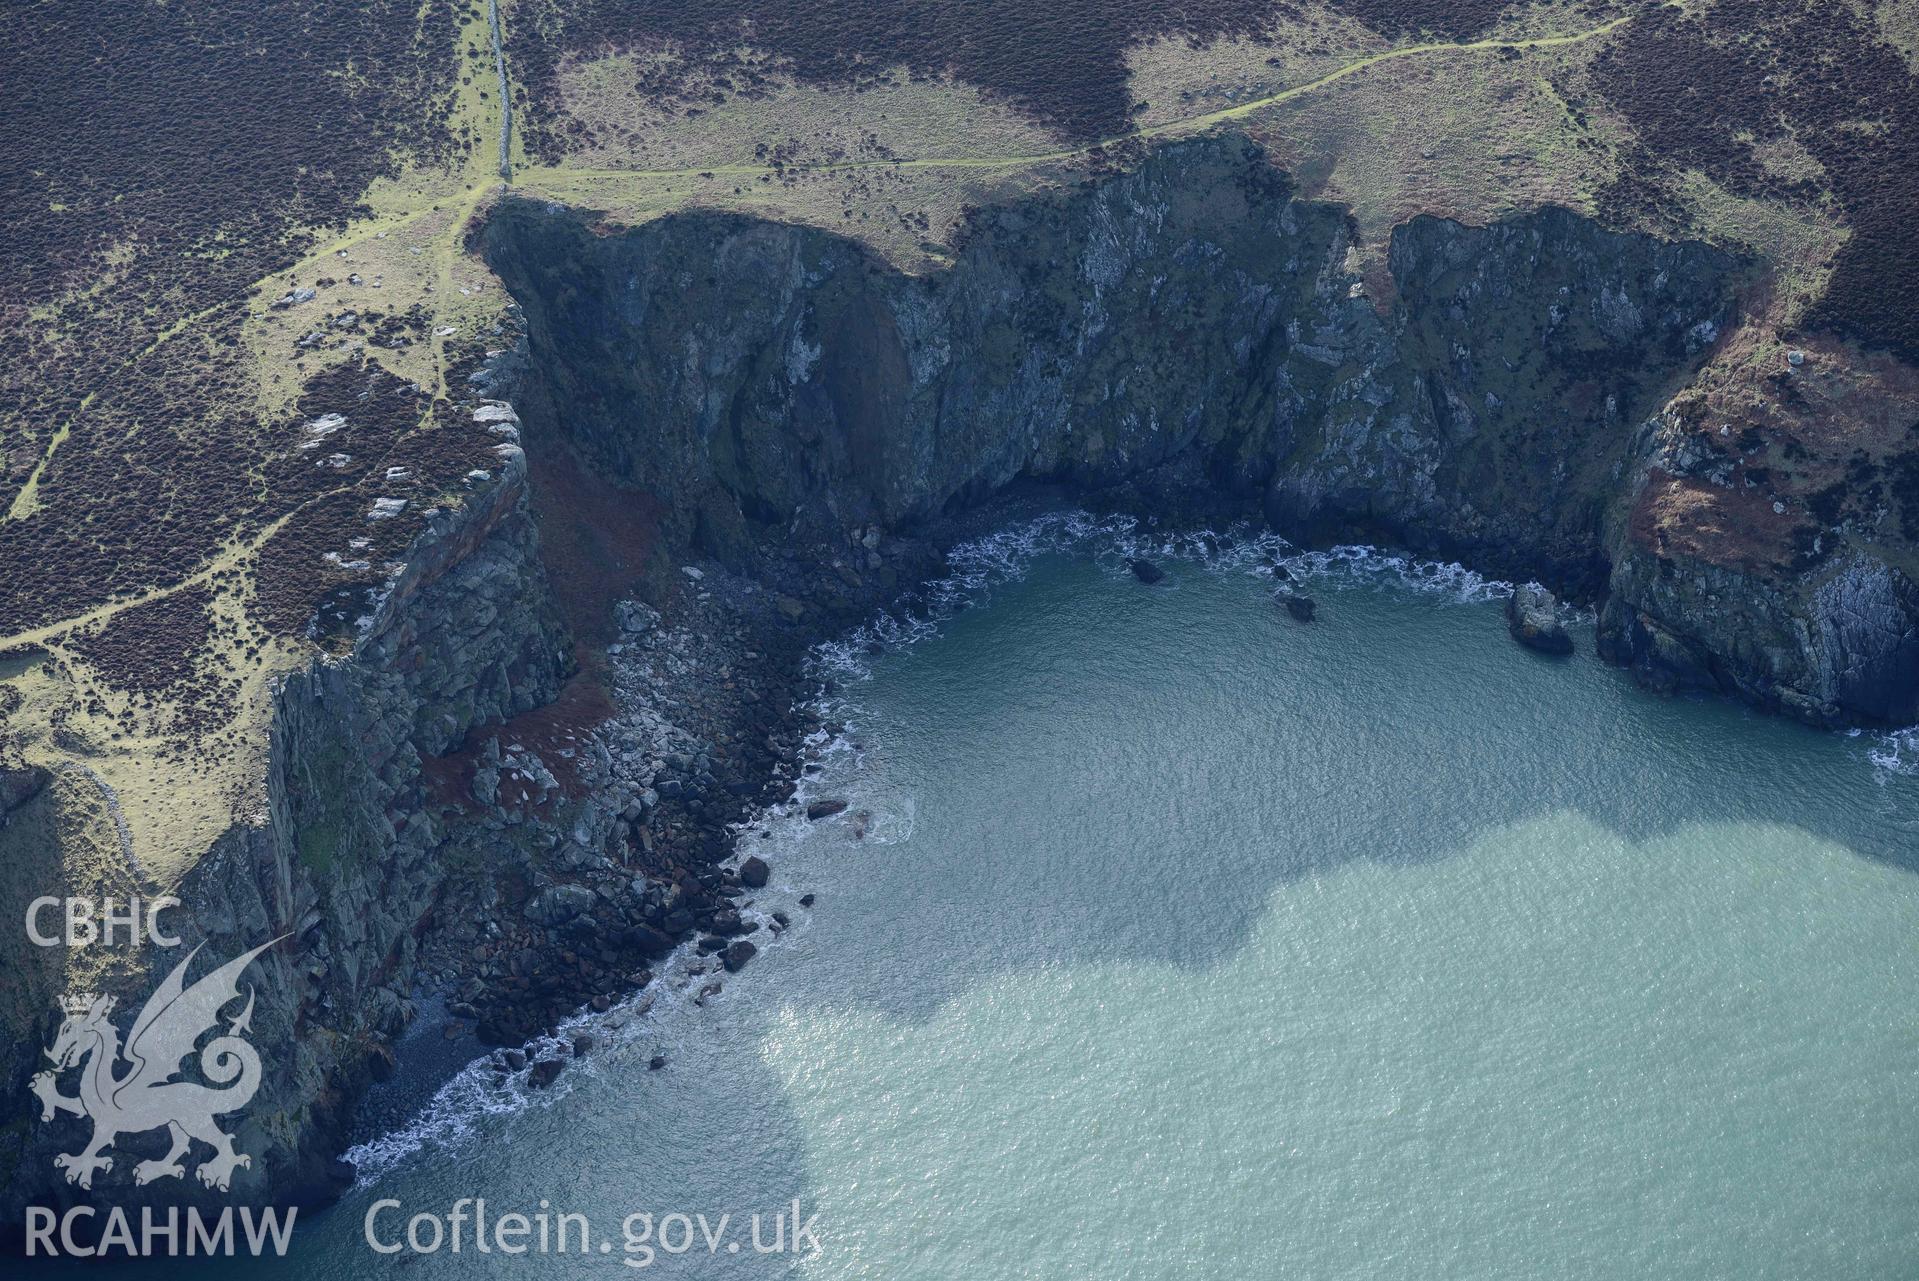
(1146, 571)
(348, 860)
(1866, 624)
(1189, 326)
(1189, 331)
(1532, 616)
(1836, 645)
(1186, 332)
(558, 904)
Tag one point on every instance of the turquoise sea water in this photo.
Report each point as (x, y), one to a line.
(1168, 937)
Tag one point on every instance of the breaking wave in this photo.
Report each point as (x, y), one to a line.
(1896, 754)
(636, 1026)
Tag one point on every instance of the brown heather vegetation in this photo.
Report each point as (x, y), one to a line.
(164, 158)
(1725, 88)
(389, 454)
(1795, 103)
(142, 490)
(150, 647)
(1062, 62)
(162, 533)
(160, 159)
(204, 130)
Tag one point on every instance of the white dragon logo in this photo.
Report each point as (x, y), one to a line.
(146, 1097)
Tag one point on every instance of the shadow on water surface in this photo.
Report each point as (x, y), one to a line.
(1101, 771)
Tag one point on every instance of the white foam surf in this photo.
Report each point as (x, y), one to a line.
(1896, 755)
(483, 1089)
(976, 567)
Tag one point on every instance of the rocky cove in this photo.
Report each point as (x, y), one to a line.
(515, 793)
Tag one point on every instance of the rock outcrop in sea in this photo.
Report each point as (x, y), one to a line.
(1532, 616)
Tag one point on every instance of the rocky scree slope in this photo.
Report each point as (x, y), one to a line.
(1191, 327)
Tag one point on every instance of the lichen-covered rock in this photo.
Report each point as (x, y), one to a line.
(1835, 646)
(558, 904)
(1185, 329)
(1866, 628)
(1190, 328)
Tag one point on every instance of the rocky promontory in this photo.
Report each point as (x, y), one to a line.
(721, 440)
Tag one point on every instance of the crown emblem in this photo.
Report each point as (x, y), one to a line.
(165, 1033)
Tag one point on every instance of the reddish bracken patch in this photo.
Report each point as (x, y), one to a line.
(1681, 517)
(558, 733)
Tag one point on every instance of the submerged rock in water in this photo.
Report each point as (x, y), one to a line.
(1145, 570)
(824, 809)
(1532, 616)
(1301, 607)
(545, 1072)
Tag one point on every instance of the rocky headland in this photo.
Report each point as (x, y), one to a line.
(722, 440)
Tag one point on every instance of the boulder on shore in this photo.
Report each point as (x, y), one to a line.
(754, 873)
(1532, 616)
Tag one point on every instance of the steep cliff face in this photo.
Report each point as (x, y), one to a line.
(1189, 319)
(1187, 333)
(1836, 645)
(1190, 327)
(345, 866)
(1523, 357)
